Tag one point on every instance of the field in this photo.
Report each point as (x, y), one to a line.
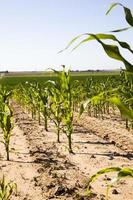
(15, 78)
(46, 167)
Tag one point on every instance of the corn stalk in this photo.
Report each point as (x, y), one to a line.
(64, 81)
(6, 115)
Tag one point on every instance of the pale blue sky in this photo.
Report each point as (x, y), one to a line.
(33, 31)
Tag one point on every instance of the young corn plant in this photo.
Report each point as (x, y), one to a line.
(34, 97)
(7, 189)
(23, 95)
(5, 94)
(56, 108)
(43, 93)
(6, 115)
(78, 94)
(66, 95)
(113, 52)
(6, 125)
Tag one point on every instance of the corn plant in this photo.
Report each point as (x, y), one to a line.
(120, 173)
(113, 52)
(34, 97)
(5, 94)
(67, 106)
(56, 106)
(24, 95)
(64, 81)
(43, 94)
(126, 94)
(78, 94)
(7, 189)
(6, 115)
(40, 96)
(6, 124)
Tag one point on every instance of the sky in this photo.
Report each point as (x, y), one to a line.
(32, 32)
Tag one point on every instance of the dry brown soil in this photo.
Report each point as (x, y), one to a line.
(43, 169)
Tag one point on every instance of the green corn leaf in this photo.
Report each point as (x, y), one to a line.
(71, 42)
(128, 15)
(111, 50)
(101, 36)
(7, 189)
(127, 11)
(120, 30)
(129, 100)
(83, 107)
(125, 172)
(113, 5)
(103, 171)
(121, 173)
(125, 111)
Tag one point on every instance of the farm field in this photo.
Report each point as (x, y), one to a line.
(66, 134)
(15, 78)
(43, 169)
(46, 168)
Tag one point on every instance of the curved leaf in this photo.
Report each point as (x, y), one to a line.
(128, 13)
(125, 172)
(113, 52)
(102, 36)
(71, 42)
(123, 109)
(120, 30)
(103, 171)
(113, 5)
(83, 107)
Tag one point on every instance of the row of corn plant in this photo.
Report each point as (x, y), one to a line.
(122, 96)
(100, 97)
(95, 106)
(52, 100)
(123, 100)
(58, 100)
(34, 98)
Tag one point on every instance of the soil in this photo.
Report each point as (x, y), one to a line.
(43, 169)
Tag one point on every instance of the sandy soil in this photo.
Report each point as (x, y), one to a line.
(43, 169)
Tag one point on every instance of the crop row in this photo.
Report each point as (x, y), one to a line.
(59, 99)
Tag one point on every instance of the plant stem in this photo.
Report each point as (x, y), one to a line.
(70, 142)
(7, 152)
(58, 135)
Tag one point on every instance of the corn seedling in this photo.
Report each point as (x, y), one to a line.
(67, 106)
(6, 125)
(56, 106)
(66, 99)
(7, 189)
(6, 115)
(43, 93)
